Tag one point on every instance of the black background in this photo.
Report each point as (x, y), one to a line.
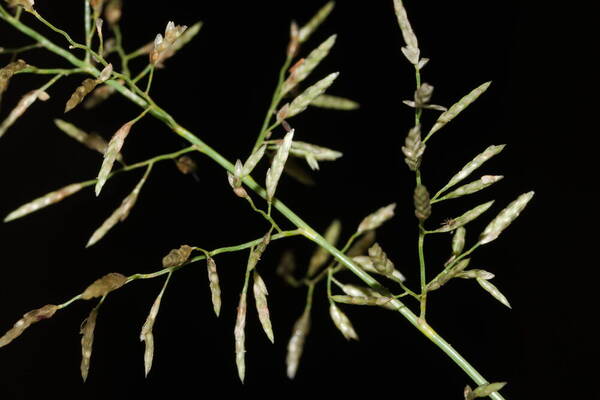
(540, 104)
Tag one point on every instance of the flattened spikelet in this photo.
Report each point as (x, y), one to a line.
(362, 245)
(413, 148)
(104, 285)
(464, 219)
(505, 218)
(25, 322)
(22, 106)
(368, 265)
(494, 291)
(240, 337)
(473, 187)
(442, 278)
(90, 140)
(44, 201)
(411, 50)
(177, 257)
(86, 87)
(300, 103)
(8, 71)
(475, 163)
(483, 390)
(114, 147)
(295, 346)
(87, 341)
(376, 219)
(380, 260)
(458, 240)
(163, 46)
(313, 153)
(146, 334)
(260, 296)
(422, 203)
(320, 256)
(312, 25)
(334, 103)
(274, 173)
(213, 280)
(342, 322)
(253, 161)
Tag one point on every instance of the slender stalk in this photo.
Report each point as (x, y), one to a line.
(87, 18)
(120, 50)
(423, 274)
(18, 50)
(150, 80)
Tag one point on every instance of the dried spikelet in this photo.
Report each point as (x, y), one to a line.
(120, 214)
(312, 25)
(475, 163)
(177, 257)
(90, 140)
(186, 165)
(380, 260)
(295, 346)
(240, 337)
(44, 201)
(362, 301)
(458, 240)
(99, 95)
(146, 334)
(320, 256)
(421, 99)
(313, 153)
(97, 5)
(334, 103)
(300, 103)
(235, 180)
(114, 147)
(422, 203)
(26, 4)
(213, 281)
(413, 148)
(253, 161)
(411, 50)
(457, 108)
(163, 45)
(362, 245)
(494, 291)
(7, 72)
(464, 219)
(26, 101)
(472, 187)
(187, 36)
(86, 87)
(113, 11)
(25, 322)
(104, 285)
(274, 173)
(342, 322)
(294, 43)
(300, 71)
(257, 252)
(260, 296)
(476, 274)
(368, 265)
(448, 274)
(376, 219)
(87, 341)
(505, 218)
(370, 296)
(483, 390)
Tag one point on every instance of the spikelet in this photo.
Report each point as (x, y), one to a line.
(113, 11)
(321, 256)
(44, 201)
(413, 148)
(26, 4)
(422, 203)
(311, 26)
(104, 285)
(26, 101)
(295, 346)
(186, 165)
(240, 337)
(300, 103)
(464, 219)
(87, 341)
(483, 390)
(213, 281)
(120, 214)
(92, 141)
(475, 163)
(362, 245)
(472, 187)
(114, 147)
(505, 218)
(313, 153)
(368, 265)
(187, 36)
(380, 260)
(177, 257)
(458, 240)
(86, 87)
(494, 291)
(362, 295)
(294, 42)
(362, 301)
(448, 274)
(25, 322)
(376, 219)
(257, 252)
(163, 45)
(99, 95)
(421, 99)
(260, 296)
(8, 71)
(342, 322)
(457, 108)
(411, 50)
(334, 103)
(476, 274)
(301, 70)
(274, 173)
(253, 161)
(146, 334)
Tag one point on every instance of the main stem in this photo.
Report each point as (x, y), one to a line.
(308, 232)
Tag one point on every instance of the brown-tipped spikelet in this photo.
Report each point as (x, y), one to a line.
(25, 322)
(8, 71)
(464, 219)
(342, 322)
(260, 297)
(86, 87)
(411, 50)
(114, 147)
(320, 256)
(177, 257)
(311, 26)
(380, 260)
(422, 203)
(213, 281)
(375, 220)
(413, 148)
(26, 4)
(163, 46)
(334, 103)
(104, 285)
(483, 390)
(295, 346)
(240, 337)
(44, 201)
(26, 101)
(146, 334)
(186, 165)
(301, 102)
(87, 341)
(457, 108)
(274, 173)
(475, 163)
(505, 218)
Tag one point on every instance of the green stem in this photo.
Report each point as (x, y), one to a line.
(265, 215)
(50, 71)
(142, 74)
(423, 274)
(87, 26)
(18, 50)
(120, 50)
(150, 80)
